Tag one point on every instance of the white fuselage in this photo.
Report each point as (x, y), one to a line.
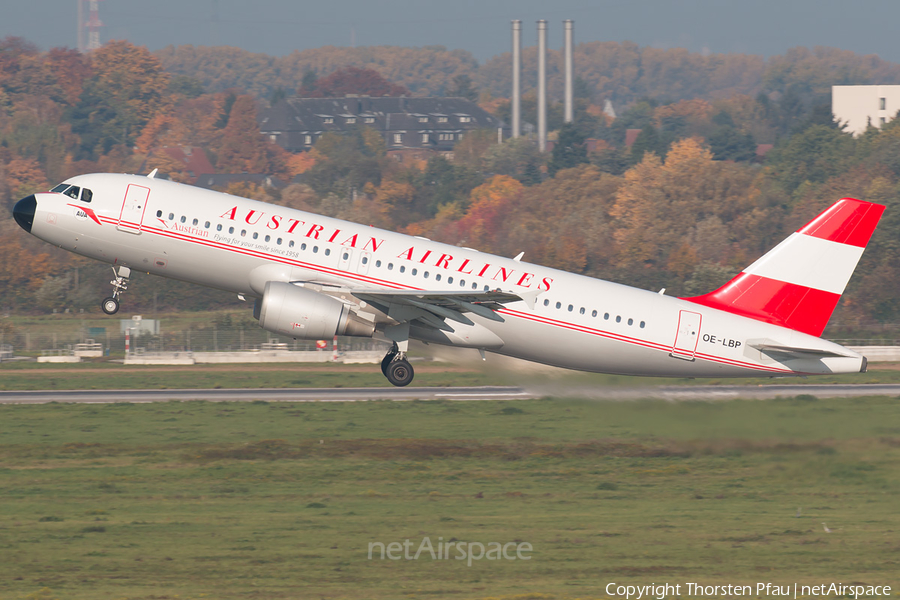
(577, 322)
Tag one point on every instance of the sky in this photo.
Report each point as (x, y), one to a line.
(278, 27)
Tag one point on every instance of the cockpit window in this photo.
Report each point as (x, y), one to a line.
(60, 188)
(86, 195)
(72, 192)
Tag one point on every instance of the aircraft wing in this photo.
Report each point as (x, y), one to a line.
(436, 308)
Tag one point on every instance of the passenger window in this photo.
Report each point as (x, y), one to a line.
(219, 227)
(426, 275)
(581, 311)
(315, 249)
(327, 251)
(345, 256)
(377, 263)
(159, 213)
(206, 225)
(231, 230)
(268, 237)
(449, 279)
(402, 269)
(546, 302)
(255, 235)
(278, 241)
(570, 308)
(72, 192)
(474, 285)
(631, 321)
(593, 313)
(618, 319)
(415, 271)
(87, 195)
(291, 244)
(171, 216)
(183, 219)
(642, 324)
(606, 316)
(559, 305)
(303, 246)
(487, 288)
(462, 283)
(438, 277)
(195, 222)
(365, 260)
(390, 266)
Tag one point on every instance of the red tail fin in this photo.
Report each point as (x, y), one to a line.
(799, 282)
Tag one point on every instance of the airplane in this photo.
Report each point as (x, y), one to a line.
(313, 277)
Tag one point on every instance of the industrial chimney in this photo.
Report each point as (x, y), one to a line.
(542, 86)
(569, 27)
(517, 78)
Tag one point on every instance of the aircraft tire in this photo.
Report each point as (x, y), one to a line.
(110, 305)
(400, 373)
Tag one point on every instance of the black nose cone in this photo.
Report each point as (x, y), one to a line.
(23, 212)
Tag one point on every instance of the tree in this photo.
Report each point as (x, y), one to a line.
(727, 143)
(127, 89)
(243, 149)
(568, 151)
(352, 80)
(462, 88)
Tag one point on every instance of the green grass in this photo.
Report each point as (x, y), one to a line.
(104, 375)
(280, 500)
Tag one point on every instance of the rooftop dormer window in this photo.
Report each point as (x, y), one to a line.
(328, 120)
(423, 119)
(351, 120)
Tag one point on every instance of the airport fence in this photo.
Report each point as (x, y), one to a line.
(23, 342)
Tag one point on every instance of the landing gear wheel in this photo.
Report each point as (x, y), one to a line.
(110, 306)
(399, 372)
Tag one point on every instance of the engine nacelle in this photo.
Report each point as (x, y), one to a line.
(304, 314)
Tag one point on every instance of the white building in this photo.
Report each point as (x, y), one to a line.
(858, 105)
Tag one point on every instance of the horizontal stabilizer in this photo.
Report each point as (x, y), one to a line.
(803, 352)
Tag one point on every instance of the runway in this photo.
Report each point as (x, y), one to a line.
(671, 393)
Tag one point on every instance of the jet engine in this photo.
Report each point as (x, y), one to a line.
(305, 314)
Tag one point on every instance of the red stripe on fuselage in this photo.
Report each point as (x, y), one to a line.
(848, 221)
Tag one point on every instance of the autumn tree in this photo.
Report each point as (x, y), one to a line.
(127, 89)
(352, 80)
(672, 215)
(242, 148)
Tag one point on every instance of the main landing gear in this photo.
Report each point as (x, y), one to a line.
(111, 305)
(396, 368)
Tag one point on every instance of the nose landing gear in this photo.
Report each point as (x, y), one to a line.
(396, 368)
(110, 305)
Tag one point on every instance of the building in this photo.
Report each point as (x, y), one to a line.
(859, 105)
(434, 124)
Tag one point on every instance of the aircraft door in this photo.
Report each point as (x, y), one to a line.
(133, 206)
(346, 257)
(687, 336)
(365, 259)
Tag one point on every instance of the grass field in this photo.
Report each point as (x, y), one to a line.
(110, 375)
(281, 500)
